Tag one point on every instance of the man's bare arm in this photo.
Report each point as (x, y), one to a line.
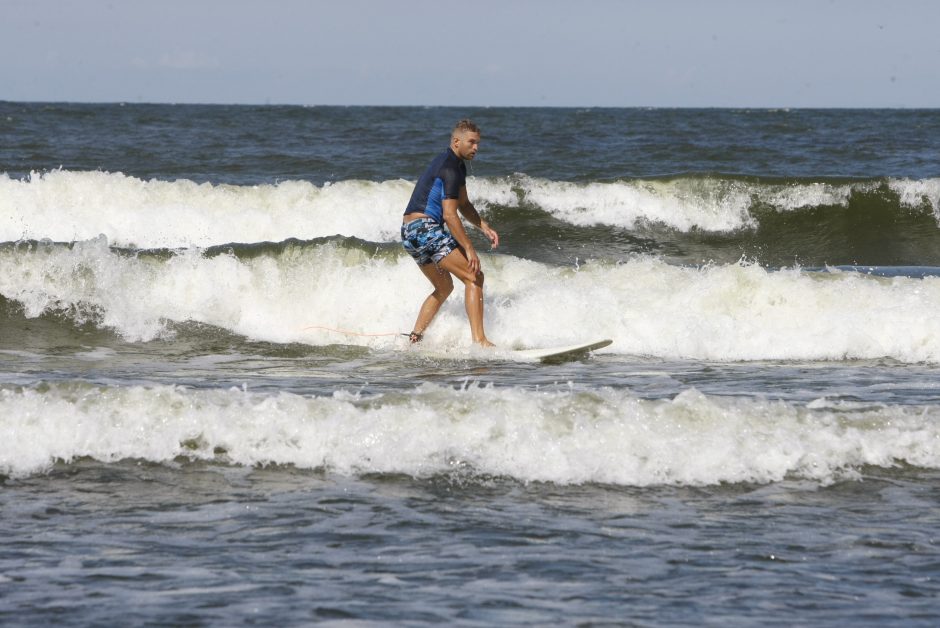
(473, 216)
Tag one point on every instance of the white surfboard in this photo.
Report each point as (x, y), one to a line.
(560, 354)
(544, 354)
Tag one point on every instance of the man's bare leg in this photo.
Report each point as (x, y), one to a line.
(456, 264)
(443, 286)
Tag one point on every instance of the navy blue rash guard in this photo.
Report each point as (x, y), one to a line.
(442, 179)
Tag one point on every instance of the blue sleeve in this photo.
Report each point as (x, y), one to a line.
(454, 179)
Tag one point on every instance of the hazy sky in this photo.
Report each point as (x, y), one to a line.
(681, 53)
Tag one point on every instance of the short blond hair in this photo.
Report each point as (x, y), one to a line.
(465, 125)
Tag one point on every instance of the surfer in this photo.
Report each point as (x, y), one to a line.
(434, 235)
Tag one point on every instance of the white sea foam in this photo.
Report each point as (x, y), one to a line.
(733, 312)
(571, 437)
(684, 206)
(67, 206)
(709, 204)
(64, 206)
(915, 192)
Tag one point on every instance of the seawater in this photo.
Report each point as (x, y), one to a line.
(208, 414)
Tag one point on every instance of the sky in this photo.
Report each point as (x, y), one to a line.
(579, 53)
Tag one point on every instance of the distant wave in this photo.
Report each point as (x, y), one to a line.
(70, 206)
(713, 203)
(301, 291)
(64, 206)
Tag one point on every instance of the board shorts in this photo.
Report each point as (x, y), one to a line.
(427, 241)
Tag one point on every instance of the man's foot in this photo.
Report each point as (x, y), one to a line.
(415, 337)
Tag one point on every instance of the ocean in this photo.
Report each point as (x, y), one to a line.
(209, 416)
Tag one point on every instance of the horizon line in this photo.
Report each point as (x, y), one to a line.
(124, 103)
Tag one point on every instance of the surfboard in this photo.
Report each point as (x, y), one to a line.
(547, 355)
(561, 354)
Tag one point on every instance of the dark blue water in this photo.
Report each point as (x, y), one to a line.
(254, 144)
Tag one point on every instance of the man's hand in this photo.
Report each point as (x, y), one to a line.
(490, 233)
(473, 260)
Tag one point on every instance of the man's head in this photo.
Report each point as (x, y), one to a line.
(465, 139)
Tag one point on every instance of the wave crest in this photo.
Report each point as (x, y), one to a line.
(287, 293)
(605, 436)
(70, 206)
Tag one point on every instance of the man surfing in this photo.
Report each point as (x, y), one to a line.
(434, 235)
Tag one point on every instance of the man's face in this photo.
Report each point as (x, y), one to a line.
(466, 144)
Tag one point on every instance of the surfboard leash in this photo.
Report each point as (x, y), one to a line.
(349, 332)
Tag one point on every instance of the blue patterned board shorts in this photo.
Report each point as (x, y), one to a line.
(427, 241)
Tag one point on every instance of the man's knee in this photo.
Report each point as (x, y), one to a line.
(443, 290)
(475, 280)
